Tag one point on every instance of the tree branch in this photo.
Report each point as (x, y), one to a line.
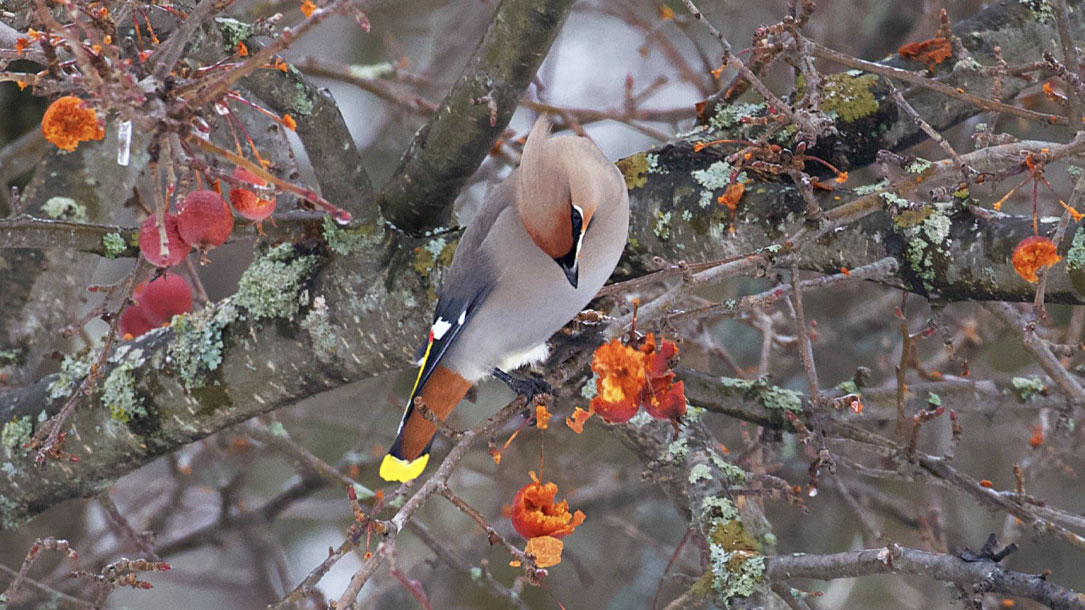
(450, 147)
(899, 560)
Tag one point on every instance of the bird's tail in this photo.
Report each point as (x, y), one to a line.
(409, 454)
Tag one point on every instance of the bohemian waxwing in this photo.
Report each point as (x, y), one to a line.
(539, 249)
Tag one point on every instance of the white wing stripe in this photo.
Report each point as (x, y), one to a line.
(440, 327)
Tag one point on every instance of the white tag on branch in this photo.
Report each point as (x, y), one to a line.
(124, 143)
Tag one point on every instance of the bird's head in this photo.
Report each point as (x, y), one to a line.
(563, 182)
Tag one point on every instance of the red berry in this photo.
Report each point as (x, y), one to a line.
(205, 221)
(247, 204)
(150, 246)
(133, 322)
(165, 297)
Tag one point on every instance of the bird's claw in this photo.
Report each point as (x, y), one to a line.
(528, 387)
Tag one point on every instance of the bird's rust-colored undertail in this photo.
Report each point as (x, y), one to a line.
(442, 392)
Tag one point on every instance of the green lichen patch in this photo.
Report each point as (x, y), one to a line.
(768, 395)
(1075, 256)
(278, 430)
(732, 536)
(198, 344)
(113, 244)
(662, 228)
(1075, 261)
(64, 208)
(910, 218)
(1041, 10)
(320, 329)
(873, 187)
(234, 31)
(733, 473)
(72, 371)
(344, 241)
(677, 451)
(119, 394)
(700, 472)
(15, 434)
(11, 514)
(848, 387)
(718, 508)
(736, 565)
(849, 97)
(918, 166)
(302, 103)
(729, 116)
(926, 233)
(1028, 388)
(271, 286)
(635, 170)
(437, 252)
(714, 177)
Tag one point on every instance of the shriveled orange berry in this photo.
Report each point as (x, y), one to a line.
(68, 121)
(1031, 254)
(535, 513)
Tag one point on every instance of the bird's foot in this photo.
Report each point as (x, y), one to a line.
(529, 387)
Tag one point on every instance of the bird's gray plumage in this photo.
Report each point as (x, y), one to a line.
(526, 297)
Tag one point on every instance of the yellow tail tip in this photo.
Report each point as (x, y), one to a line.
(395, 469)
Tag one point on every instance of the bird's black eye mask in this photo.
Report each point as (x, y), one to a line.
(568, 261)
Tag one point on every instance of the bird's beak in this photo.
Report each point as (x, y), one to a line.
(571, 271)
(570, 263)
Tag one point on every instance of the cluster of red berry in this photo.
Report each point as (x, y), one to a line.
(203, 221)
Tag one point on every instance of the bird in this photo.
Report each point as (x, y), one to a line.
(537, 251)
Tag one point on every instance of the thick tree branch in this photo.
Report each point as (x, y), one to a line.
(673, 191)
(899, 560)
(448, 149)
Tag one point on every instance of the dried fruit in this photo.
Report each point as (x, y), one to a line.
(542, 417)
(1031, 254)
(732, 195)
(165, 297)
(663, 397)
(247, 204)
(546, 550)
(576, 422)
(534, 512)
(67, 122)
(150, 245)
(930, 52)
(628, 378)
(619, 379)
(205, 221)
